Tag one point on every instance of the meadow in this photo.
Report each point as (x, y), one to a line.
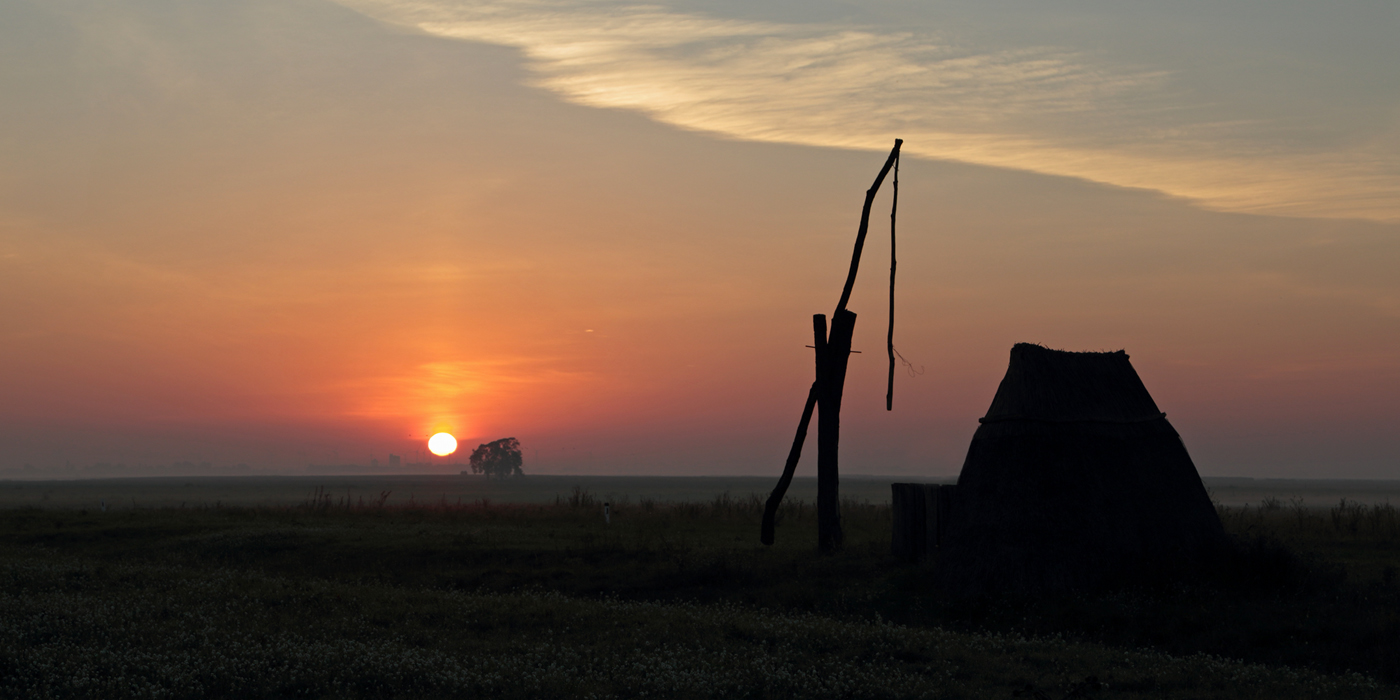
(346, 595)
(453, 489)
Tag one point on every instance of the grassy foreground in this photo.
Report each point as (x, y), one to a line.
(669, 600)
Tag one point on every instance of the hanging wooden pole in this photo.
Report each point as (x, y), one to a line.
(889, 337)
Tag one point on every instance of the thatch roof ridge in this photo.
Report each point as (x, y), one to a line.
(1038, 346)
(1060, 386)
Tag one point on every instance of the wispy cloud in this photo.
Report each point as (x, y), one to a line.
(1040, 109)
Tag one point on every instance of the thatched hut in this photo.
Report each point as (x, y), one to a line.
(1074, 476)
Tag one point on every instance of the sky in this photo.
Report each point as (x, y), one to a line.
(291, 232)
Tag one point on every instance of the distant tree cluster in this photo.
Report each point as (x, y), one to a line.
(500, 458)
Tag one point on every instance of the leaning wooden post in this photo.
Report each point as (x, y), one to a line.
(770, 509)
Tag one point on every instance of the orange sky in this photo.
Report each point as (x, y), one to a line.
(284, 234)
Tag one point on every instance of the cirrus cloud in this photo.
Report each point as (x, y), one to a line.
(1041, 109)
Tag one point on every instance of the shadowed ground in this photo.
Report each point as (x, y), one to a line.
(168, 492)
(669, 599)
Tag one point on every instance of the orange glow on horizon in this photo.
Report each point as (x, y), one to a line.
(374, 267)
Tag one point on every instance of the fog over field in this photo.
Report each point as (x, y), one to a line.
(455, 490)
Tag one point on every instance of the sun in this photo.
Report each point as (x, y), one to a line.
(442, 444)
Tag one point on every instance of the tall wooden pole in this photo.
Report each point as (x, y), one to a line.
(832, 362)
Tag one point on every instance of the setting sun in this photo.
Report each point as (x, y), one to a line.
(442, 444)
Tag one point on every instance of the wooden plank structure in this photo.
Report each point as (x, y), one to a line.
(922, 513)
(833, 351)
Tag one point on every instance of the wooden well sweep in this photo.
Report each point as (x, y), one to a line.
(833, 351)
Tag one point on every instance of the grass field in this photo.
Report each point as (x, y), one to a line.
(425, 489)
(331, 598)
(416, 489)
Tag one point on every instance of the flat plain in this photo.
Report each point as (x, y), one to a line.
(327, 587)
(442, 489)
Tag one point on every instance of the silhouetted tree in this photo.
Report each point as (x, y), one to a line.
(500, 458)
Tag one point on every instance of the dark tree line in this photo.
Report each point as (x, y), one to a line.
(500, 458)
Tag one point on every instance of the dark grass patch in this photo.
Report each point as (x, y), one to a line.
(1279, 598)
(69, 629)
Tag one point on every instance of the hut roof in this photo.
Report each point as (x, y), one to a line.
(1065, 387)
